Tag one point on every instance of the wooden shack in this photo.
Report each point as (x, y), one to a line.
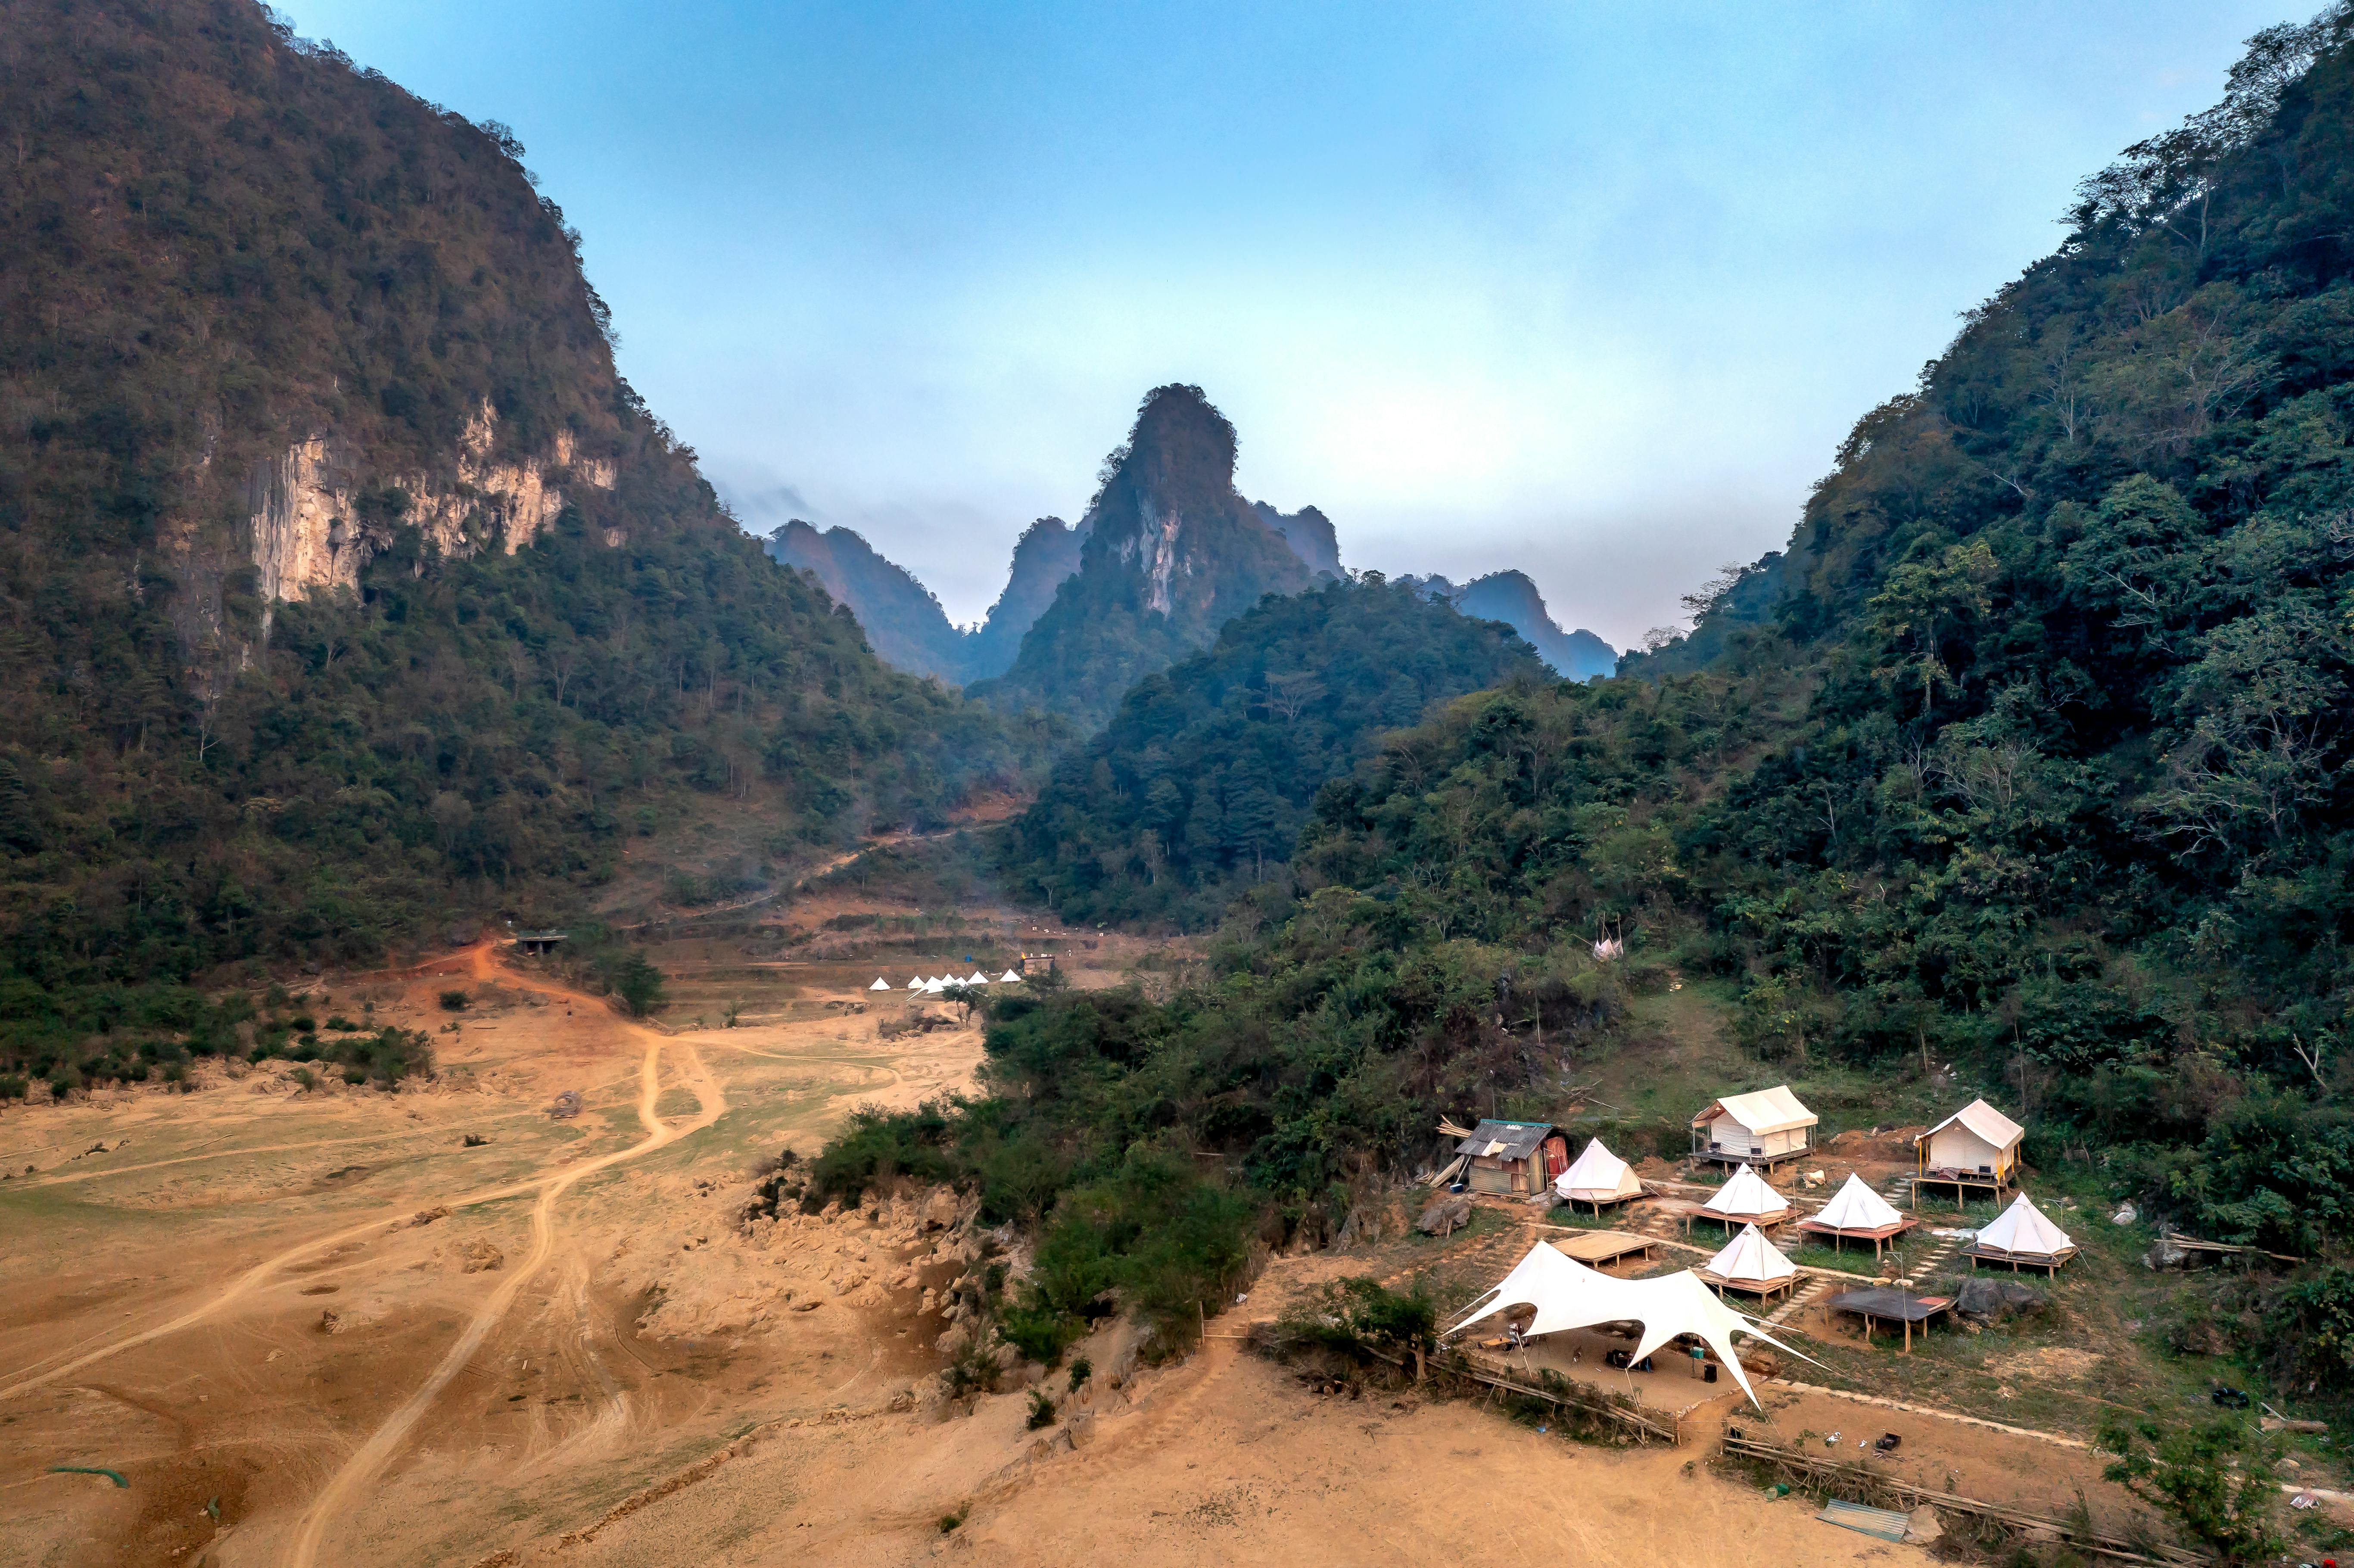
(1882, 1304)
(1515, 1157)
(1763, 1129)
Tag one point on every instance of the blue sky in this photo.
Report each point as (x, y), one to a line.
(1591, 291)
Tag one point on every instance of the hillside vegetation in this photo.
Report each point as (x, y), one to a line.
(221, 243)
(1199, 785)
(2029, 755)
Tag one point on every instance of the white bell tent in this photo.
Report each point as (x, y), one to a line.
(1597, 1177)
(1747, 1199)
(1749, 1262)
(880, 984)
(1568, 1295)
(1009, 978)
(1856, 1212)
(2022, 1236)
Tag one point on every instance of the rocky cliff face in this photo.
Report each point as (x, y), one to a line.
(314, 523)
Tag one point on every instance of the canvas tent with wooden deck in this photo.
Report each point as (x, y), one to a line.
(2022, 1237)
(1749, 1262)
(1856, 1212)
(1881, 1304)
(1761, 1128)
(1518, 1156)
(1597, 1177)
(1744, 1200)
(1975, 1149)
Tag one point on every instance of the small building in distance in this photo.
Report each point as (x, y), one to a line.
(1037, 964)
(1975, 1149)
(1518, 1156)
(1762, 1128)
(537, 942)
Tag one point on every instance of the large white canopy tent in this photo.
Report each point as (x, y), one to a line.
(1568, 1295)
(1747, 1199)
(1597, 1177)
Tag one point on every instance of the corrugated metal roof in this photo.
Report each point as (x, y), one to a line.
(1767, 1110)
(1505, 1139)
(1882, 1523)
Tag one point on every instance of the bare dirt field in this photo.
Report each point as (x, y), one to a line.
(316, 1326)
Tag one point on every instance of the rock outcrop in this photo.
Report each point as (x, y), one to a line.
(315, 522)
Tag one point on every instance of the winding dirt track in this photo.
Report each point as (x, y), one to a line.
(337, 1495)
(336, 1498)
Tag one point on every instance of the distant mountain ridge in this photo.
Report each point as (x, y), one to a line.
(903, 618)
(1509, 597)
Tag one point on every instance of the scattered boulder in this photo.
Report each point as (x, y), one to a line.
(2163, 1254)
(480, 1257)
(1992, 1300)
(940, 1213)
(1922, 1528)
(1444, 1216)
(427, 1216)
(2127, 1213)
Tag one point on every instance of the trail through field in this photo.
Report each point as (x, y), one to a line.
(361, 1470)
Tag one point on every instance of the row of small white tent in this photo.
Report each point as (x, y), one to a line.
(941, 982)
(1599, 1176)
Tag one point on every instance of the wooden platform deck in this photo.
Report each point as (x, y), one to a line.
(1599, 1249)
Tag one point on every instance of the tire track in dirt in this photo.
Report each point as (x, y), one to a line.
(346, 1485)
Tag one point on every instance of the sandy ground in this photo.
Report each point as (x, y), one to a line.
(314, 1326)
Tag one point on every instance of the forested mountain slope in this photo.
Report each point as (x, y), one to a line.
(346, 587)
(2038, 765)
(1199, 785)
(1172, 552)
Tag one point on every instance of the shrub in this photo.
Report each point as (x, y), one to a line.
(1081, 1369)
(453, 1001)
(14, 1087)
(2216, 1482)
(1042, 1409)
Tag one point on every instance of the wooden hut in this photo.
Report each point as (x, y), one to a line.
(1761, 1128)
(1974, 1149)
(1856, 1212)
(1516, 1156)
(2022, 1237)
